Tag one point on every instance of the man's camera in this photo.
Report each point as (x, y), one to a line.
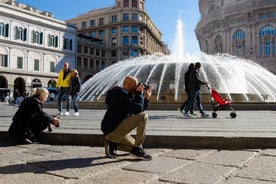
(146, 86)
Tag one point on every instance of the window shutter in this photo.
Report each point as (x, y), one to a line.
(41, 38)
(25, 34)
(71, 44)
(16, 33)
(7, 30)
(6, 60)
(56, 41)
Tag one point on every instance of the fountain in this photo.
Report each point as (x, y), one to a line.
(239, 79)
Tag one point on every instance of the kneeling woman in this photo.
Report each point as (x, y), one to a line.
(30, 120)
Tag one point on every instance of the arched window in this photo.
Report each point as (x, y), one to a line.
(267, 41)
(218, 44)
(238, 43)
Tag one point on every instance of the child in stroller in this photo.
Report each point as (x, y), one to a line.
(221, 104)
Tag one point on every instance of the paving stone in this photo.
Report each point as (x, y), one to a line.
(229, 158)
(269, 152)
(198, 173)
(261, 168)
(30, 178)
(157, 165)
(16, 157)
(189, 154)
(118, 176)
(238, 180)
(8, 149)
(79, 163)
(14, 169)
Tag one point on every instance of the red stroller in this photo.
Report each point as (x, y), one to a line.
(221, 104)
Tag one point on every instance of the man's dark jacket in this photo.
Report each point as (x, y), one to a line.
(120, 105)
(194, 80)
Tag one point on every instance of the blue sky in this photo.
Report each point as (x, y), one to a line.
(164, 14)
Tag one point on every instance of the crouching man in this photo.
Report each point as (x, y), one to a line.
(125, 112)
(30, 120)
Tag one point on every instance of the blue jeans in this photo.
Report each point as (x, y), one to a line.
(194, 95)
(64, 92)
(75, 98)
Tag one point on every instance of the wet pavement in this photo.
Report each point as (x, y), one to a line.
(184, 150)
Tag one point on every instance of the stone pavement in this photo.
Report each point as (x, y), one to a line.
(194, 150)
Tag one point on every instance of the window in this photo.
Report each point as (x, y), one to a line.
(20, 62)
(114, 30)
(134, 40)
(92, 33)
(125, 29)
(267, 41)
(67, 43)
(92, 23)
(239, 35)
(125, 16)
(85, 49)
(92, 50)
(4, 29)
(113, 53)
(101, 33)
(36, 65)
(134, 53)
(83, 25)
(126, 3)
(103, 53)
(239, 46)
(134, 3)
(134, 29)
(20, 33)
(113, 41)
(97, 52)
(85, 62)
(114, 19)
(134, 16)
(52, 66)
(52, 41)
(218, 44)
(101, 21)
(91, 63)
(3, 60)
(125, 40)
(37, 37)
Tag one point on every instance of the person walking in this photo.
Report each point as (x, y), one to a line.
(187, 74)
(75, 86)
(194, 86)
(30, 120)
(62, 87)
(125, 112)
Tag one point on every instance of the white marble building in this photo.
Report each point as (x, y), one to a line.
(33, 46)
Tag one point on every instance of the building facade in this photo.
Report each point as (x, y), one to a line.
(244, 28)
(126, 31)
(33, 46)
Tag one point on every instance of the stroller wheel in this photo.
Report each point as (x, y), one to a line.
(214, 115)
(233, 115)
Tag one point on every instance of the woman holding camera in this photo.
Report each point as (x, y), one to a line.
(30, 120)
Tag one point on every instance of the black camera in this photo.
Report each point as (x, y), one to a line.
(146, 86)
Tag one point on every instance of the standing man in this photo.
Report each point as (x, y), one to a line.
(62, 87)
(187, 90)
(194, 86)
(125, 112)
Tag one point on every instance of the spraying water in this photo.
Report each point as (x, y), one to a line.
(227, 74)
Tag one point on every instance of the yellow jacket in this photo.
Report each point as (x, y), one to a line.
(63, 83)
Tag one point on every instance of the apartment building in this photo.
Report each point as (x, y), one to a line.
(122, 31)
(33, 46)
